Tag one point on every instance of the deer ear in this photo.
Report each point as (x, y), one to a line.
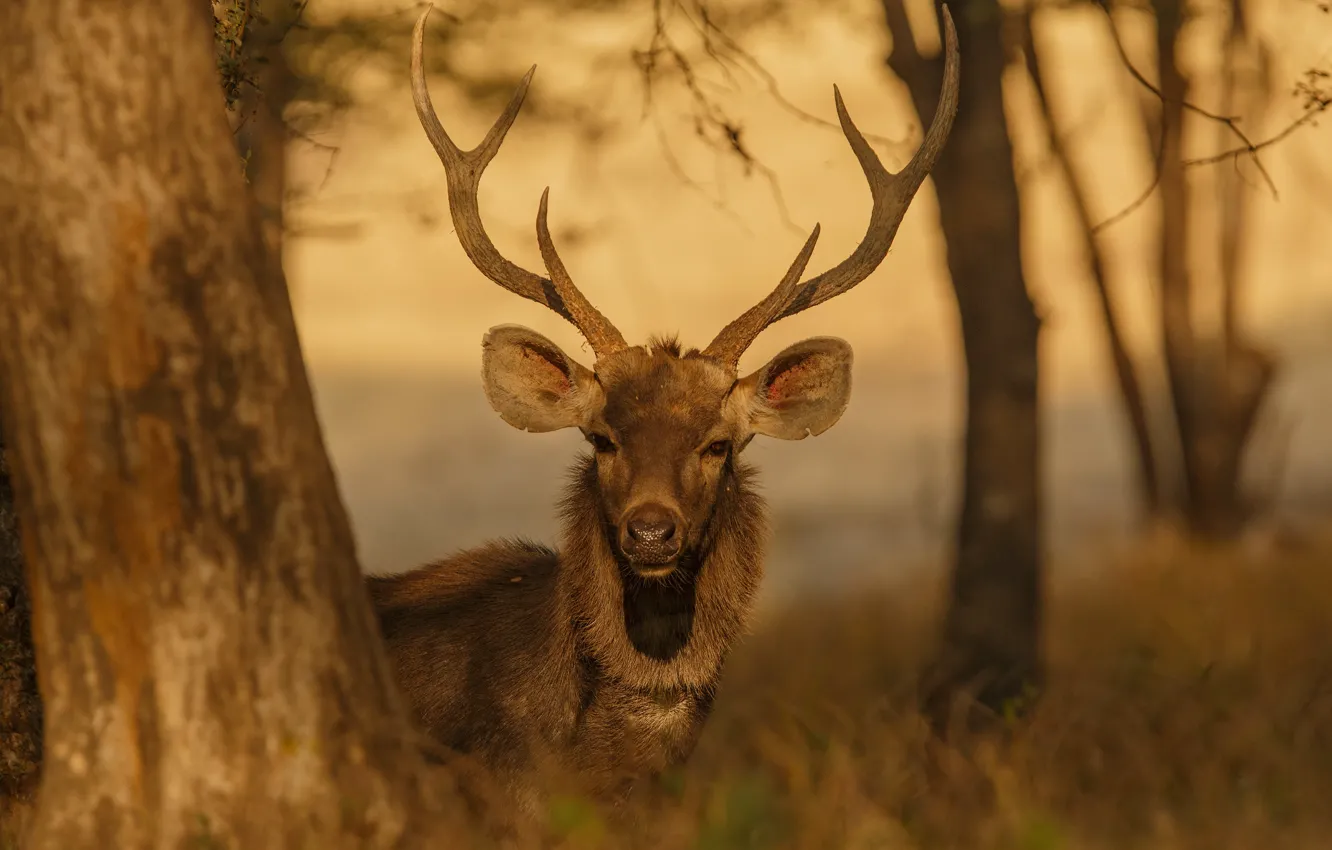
(801, 391)
(532, 384)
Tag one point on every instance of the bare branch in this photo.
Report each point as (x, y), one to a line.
(673, 163)
(708, 29)
(1317, 100)
(1253, 148)
(1144, 196)
(712, 123)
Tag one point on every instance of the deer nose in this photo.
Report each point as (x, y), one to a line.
(658, 527)
(651, 535)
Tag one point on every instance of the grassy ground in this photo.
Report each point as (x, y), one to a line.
(1189, 706)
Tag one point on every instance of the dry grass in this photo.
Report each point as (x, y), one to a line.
(1189, 706)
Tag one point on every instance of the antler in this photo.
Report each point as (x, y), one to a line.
(733, 339)
(464, 170)
(892, 195)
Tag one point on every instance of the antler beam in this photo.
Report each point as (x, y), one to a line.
(892, 194)
(463, 170)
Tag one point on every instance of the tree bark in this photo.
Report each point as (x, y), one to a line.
(20, 704)
(205, 649)
(990, 648)
(257, 117)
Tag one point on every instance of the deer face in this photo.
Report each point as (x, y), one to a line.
(664, 426)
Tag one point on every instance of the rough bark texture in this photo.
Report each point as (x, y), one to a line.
(257, 116)
(206, 653)
(20, 705)
(991, 637)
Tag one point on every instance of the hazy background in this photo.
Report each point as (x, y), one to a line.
(391, 313)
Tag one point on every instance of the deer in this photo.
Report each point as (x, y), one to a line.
(605, 654)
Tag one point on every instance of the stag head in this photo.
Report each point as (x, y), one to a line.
(665, 424)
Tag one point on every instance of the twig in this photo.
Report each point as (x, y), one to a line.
(334, 151)
(770, 82)
(1142, 198)
(678, 170)
(1231, 122)
(711, 122)
(1252, 148)
(1316, 103)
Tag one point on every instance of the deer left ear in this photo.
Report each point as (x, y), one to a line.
(801, 391)
(532, 384)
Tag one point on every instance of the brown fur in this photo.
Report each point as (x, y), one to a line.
(515, 652)
(606, 654)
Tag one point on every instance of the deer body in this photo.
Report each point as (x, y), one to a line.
(513, 648)
(512, 651)
(605, 655)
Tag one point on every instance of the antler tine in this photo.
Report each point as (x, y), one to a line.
(603, 336)
(733, 339)
(892, 194)
(463, 170)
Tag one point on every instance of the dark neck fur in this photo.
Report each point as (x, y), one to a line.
(672, 633)
(659, 615)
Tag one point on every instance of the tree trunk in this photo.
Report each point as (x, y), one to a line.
(1250, 370)
(991, 637)
(205, 649)
(257, 117)
(20, 704)
(1126, 372)
(1217, 383)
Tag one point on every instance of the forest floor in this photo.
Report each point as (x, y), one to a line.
(1189, 705)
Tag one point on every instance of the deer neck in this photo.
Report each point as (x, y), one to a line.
(661, 635)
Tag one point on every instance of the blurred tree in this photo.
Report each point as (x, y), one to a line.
(990, 648)
(1218, 378)
(210, 665)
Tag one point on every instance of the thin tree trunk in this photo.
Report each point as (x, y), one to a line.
(991, 636)
(1126, 373)
(1217, 387)
(1248, 370)
(1179, 342)
(1230, 188)
(207, 656)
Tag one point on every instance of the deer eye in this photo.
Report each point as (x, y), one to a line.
(718, 448)
(601, 443)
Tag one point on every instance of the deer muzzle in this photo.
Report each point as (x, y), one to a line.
(651, 536)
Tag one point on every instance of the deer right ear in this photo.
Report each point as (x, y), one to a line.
(532, 384)
(800, 392)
